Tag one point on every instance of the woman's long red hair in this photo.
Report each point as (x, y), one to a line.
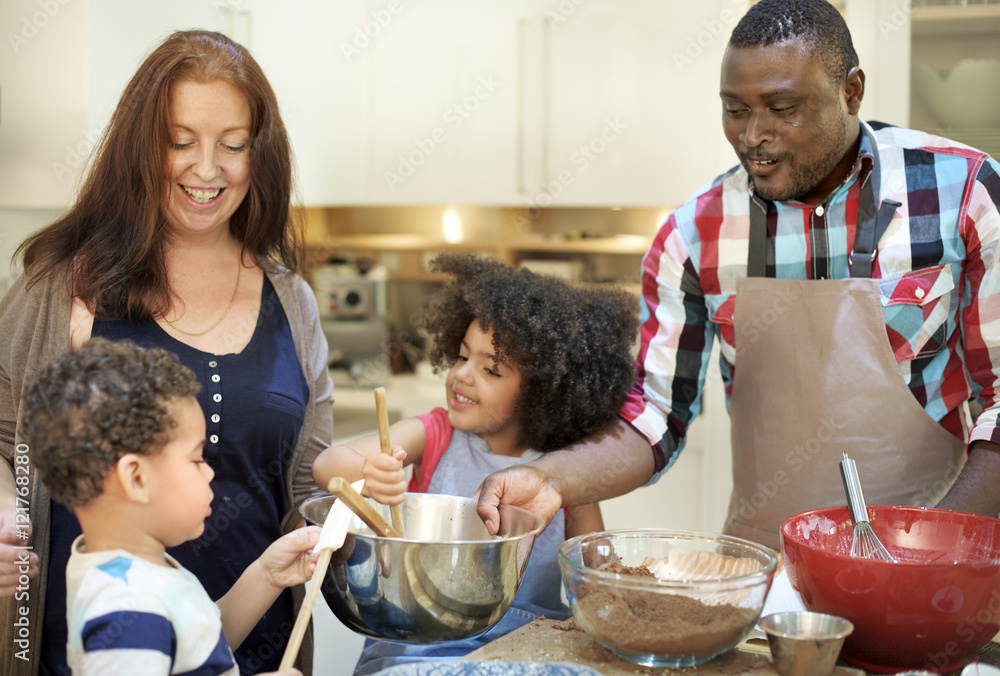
(113, 236)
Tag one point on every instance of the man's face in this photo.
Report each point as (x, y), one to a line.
(793, 128)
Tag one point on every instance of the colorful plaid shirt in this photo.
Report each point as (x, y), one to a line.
(938, 266)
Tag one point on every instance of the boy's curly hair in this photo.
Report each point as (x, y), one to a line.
(95, 404)
(572, 344)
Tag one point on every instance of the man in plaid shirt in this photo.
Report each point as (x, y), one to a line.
(851, 273)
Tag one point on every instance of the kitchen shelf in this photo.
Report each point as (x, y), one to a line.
(556, 243)
(938, 20)
(396, 242)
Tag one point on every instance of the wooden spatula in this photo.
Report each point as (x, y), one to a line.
(331, 538)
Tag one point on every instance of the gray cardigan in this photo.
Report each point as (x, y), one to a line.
(34, 330)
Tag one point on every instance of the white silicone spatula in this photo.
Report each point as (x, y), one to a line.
(331, 538)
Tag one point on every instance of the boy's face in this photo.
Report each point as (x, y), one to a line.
(180, 495)
(482, 394)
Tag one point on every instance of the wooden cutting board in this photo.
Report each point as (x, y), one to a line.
(551, 641)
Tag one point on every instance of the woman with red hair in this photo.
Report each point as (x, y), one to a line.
(182, 238)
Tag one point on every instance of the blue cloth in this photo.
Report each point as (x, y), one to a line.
(254, 404)
(458, 668)
(460, 471)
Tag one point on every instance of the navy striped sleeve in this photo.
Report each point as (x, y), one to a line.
(130, 630)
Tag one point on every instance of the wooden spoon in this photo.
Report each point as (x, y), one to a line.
(382, 412)
(357, 504)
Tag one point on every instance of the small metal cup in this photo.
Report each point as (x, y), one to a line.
(805, 644)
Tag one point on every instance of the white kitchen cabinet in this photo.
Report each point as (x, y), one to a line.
(631, 112)
(297, 47)
(547, 104)
(44, 137)
(447, 102)
(952, 42)
(121, 34)
(70, 63)
(308, 53)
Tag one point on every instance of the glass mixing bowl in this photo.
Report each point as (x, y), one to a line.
(666, 598)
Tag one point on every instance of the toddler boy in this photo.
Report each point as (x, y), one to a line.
(116, 433)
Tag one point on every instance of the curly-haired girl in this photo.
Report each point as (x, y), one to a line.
(534, 364)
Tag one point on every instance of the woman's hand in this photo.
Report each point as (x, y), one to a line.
(14, 562)
(384, 477)
(289, 560)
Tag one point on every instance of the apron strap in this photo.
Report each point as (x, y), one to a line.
(872, 223)
(757, 253)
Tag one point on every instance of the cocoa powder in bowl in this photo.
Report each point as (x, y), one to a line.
(650, 623)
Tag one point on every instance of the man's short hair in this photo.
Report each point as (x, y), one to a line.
(816, 22)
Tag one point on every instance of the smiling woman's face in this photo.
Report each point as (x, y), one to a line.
(208, 160)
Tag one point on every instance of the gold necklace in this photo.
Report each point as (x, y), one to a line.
(239, 271)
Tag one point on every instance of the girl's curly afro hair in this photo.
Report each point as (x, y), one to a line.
(572, 344)
(95, 404)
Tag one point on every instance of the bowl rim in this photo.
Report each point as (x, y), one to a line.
(824, 511)
(366, 532)
(762, 575)
(765, 622)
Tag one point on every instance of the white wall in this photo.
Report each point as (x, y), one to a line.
(15, 225)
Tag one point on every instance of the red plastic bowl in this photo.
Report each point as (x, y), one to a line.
(933, 608)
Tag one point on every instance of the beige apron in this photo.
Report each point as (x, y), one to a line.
(815, 375)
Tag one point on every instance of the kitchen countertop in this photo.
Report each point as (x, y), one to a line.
(406, 395)
(409, 393)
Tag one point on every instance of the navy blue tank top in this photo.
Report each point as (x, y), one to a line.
(254, 404)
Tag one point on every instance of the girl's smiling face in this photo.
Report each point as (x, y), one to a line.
(482, 392)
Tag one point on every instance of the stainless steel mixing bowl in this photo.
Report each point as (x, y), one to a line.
(447, 580)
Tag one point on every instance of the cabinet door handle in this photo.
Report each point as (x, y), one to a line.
(521, 102)
(545, 59)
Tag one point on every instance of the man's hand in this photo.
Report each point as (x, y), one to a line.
(524, 486)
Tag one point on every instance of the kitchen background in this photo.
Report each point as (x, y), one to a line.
(550, 133)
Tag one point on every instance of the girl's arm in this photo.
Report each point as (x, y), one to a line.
(289, 561)
(363, 459)
(582, 519)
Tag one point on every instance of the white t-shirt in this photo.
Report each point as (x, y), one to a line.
(129, 616)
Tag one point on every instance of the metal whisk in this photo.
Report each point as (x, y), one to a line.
(864, 544)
